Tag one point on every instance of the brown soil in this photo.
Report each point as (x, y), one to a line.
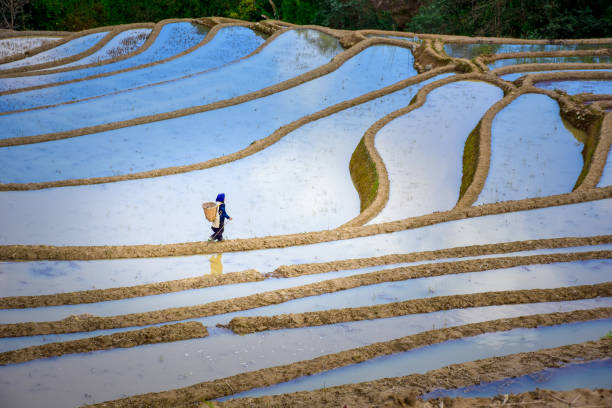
(47, 252)
(583, 397)
(288, 271)
(269, 376)
(91, 323)
(252, 324)
(394, 391)
(150, 335)
(112, 32)
(102, 295)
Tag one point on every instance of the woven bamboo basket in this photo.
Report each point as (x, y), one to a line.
(210, 210)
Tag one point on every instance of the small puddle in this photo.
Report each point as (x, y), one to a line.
(440, 355)
(532, 152)
(591, 375)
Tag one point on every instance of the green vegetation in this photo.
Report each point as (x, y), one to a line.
(470, 159)
(74, 15)
(515, 18)
(364, 175)
(501, 18)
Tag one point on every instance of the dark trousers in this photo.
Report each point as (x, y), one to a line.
(218, 232)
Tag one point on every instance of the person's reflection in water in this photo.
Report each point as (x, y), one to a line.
(216, 265)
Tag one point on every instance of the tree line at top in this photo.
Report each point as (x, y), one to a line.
(498, 18)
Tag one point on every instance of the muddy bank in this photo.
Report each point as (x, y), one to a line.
(91, 323)
(126, 292)
(288, 271)
(112, 32)
(150, 335)
(380, 392)
(268, 376)
(50, 252)
(540, 398)
(252, 324)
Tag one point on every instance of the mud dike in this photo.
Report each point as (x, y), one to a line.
(343, 282)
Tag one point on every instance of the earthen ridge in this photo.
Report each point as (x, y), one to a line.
(331, 66)
(600, 155)
(249, 150)
(288, 271)
(112, 32)
(489, 58)
(449, 377)
(92, 323)
(510, 69)
(149, 335)
(64, 35)
(49, 252)
(156, 29)
(206, 40)
(126, 292)
(269, 376)
(477, 184)
(252, 324)
(484, 150)
(382, 195)
(209, 36)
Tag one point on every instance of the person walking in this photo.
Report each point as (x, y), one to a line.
(221, 216)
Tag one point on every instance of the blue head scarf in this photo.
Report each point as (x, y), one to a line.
(221, 198)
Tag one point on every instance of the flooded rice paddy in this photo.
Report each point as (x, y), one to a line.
(68, 49)
(300, 184)
(542, 158)
(440, 355)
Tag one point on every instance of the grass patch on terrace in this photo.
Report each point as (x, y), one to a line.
(470, 159)
(585, 125)
(364, 175)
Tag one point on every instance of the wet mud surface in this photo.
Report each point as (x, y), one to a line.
(184, 397)
(91, 323)
(149, 335)
(288, 271)
(378, 393)
(251, 324)
(101, 295)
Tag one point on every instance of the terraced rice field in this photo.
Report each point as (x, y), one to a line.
(418, 220)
